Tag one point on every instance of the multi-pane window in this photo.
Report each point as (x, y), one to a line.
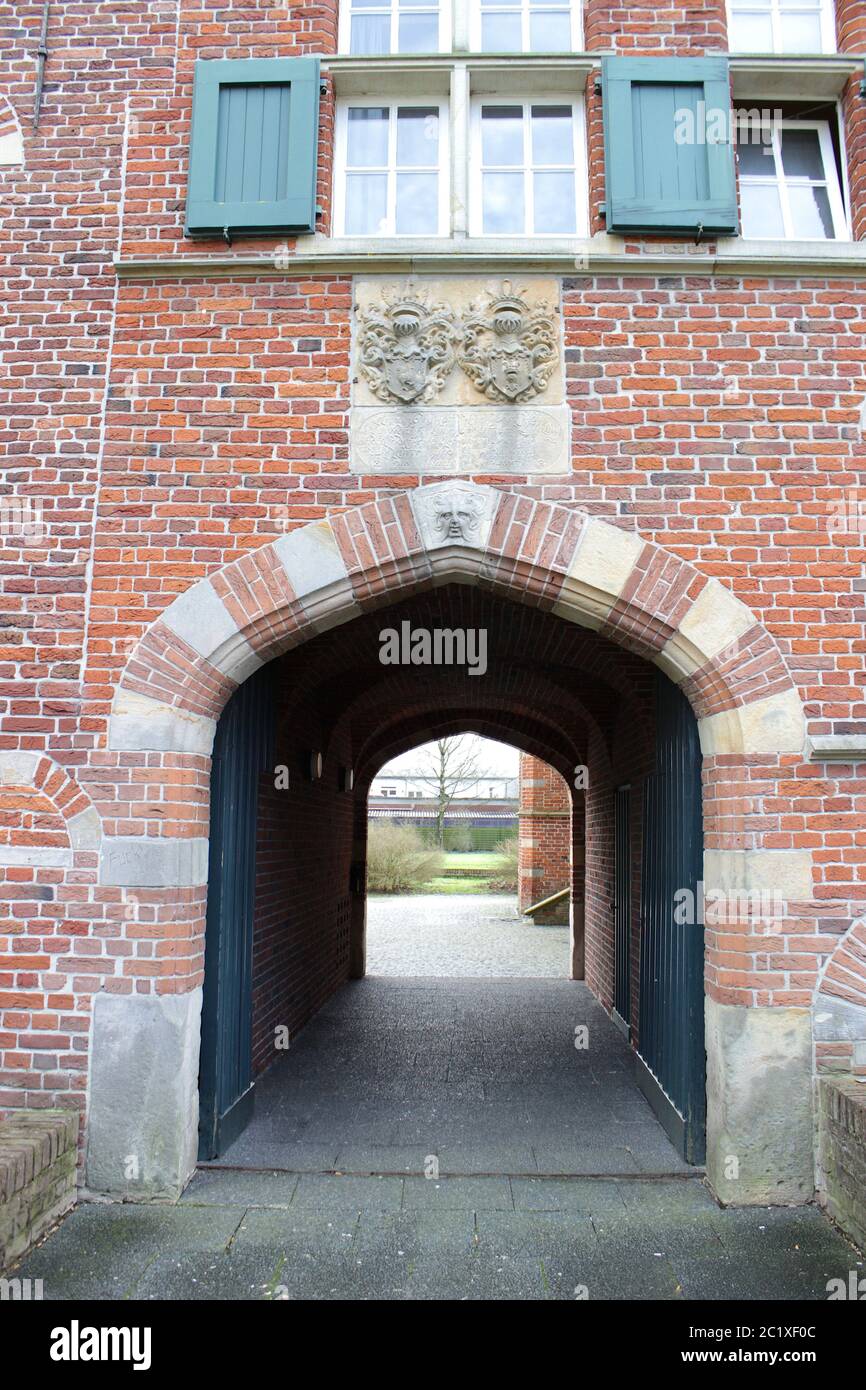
(527, 26)
(789, 184)
(781, 26)
(373, 27)
(528, 169)
(391, 166)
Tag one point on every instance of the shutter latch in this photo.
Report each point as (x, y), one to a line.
(227, 236)
(699, 234)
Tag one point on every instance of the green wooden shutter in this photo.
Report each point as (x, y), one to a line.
(669, 156)
(252, 162)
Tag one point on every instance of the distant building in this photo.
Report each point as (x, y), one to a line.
(482, 812)
(419, 786)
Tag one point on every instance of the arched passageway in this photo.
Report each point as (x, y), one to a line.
(574, 611)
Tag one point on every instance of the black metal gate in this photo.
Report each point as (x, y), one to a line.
(243, 749)
(672, 1060)
(622, 905)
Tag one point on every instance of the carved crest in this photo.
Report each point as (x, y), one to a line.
(407, 349)
(509, 348)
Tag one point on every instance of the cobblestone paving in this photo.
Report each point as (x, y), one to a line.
(447, 936)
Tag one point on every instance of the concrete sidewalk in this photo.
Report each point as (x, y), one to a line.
(265, 1236)
(325, 1195)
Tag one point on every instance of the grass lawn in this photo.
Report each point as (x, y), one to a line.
(457, 885)
(475, 859)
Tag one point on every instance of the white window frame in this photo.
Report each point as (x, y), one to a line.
(828, 25)
(581, 173)
(782, 181)
(575, 7)
(344, 41)
(340, 168)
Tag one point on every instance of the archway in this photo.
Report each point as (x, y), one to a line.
(635, 596)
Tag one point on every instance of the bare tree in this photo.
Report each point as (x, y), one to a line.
(448, 764)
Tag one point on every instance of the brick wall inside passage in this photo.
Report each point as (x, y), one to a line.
(302, 903)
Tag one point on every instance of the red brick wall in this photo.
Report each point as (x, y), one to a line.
(545, 832)
(167, 427)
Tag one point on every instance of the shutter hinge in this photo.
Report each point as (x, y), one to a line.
(323, 89)
(699, 234)
(863, 80)
(596, 86)
(227, 236)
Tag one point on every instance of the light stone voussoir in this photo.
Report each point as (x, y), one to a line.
(201, 619)
(774, 725)
(603, 560)
(714, 624)
(139, 724)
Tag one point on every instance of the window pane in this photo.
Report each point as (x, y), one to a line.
(417, 136)
(368, 136)
(801, 154)
(554, 203)
(552, 135)
(550, 33)
(751, 33)
(761, 210)
(502, 134)
(754, 157)
(503, 203)
(500, 33)
(366, 203)
(810, 211)
(801, 33)
(418, 33)
(371, 34)
(417, 204)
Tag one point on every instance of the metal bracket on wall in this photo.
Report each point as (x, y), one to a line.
(42, 58)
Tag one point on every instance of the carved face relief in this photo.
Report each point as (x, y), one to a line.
(457, 515)
(509, 349)
(406, 349)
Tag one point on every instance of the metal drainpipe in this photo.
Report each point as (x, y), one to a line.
(42, 56)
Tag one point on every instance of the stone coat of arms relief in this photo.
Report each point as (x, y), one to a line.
(457, 375)
(509, 349)
(407, 349)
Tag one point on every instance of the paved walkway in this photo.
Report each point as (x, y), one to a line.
(449, 935)
(327, 1197)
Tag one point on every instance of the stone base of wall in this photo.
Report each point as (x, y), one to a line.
(38, 1151)
(842, 1153)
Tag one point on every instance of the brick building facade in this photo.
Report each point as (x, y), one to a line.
(200, 485)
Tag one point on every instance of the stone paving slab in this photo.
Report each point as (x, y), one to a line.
(259, 1236)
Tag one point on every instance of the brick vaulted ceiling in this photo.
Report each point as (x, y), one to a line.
(548, 684)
